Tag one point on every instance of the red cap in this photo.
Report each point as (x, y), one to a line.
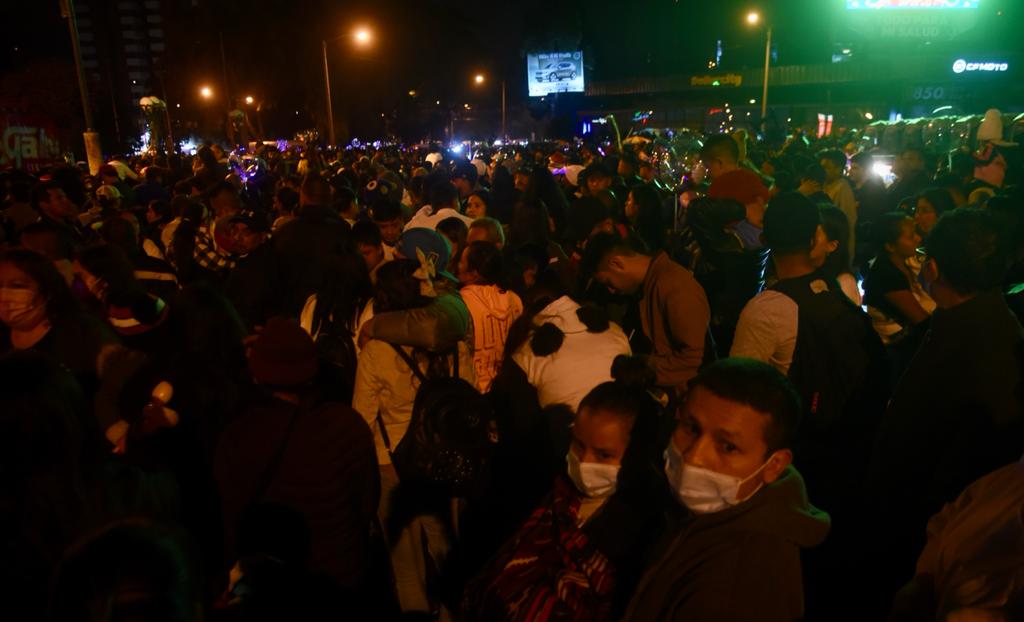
(741, 185)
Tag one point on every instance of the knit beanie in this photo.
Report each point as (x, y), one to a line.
(283, 355)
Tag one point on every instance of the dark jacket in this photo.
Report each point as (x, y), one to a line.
(327, 472)
(955, 416)
(742, 563)
(674, 314)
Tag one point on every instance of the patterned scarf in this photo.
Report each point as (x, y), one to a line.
(548, 570)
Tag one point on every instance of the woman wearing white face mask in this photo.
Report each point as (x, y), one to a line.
(38, 312)
(578, 555)
(733, 550)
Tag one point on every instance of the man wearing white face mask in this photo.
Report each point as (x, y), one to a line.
(733, 551)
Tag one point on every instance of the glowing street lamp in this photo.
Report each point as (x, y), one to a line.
(205, 92)
(249, 99)
(753, 18)
(479, 79)
(363, 36)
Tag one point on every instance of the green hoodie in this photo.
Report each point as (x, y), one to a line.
(742, 563)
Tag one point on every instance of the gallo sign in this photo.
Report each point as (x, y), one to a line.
(965, 66)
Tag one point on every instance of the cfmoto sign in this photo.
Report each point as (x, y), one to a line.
(965, 66)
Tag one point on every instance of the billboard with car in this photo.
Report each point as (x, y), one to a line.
(554, 72)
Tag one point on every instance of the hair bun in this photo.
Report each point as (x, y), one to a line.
(633, 372)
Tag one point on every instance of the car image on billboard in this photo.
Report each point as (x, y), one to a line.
(556, 72)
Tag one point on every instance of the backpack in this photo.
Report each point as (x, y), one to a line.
(336, 353)
(841, 372)
(447, 447)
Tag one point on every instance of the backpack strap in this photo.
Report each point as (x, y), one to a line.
(411, 362)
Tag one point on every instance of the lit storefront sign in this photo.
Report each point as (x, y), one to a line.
(966, 66)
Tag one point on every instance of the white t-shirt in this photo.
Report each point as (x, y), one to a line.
(767, 330)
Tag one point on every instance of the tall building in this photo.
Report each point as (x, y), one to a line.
(122, 44)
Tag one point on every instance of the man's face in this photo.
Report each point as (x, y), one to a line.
(597, 183)
(858, 174)
(726, 437)
(647, 172)
(521, 180)
(245, 240)
(373, 254)
(463, 186)
(832, 172)
(613, 275)
(390, 230)
(714, 166)
(57, 205)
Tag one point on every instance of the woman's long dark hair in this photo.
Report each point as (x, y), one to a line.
(542, 188)
(397, 289)
(345, 289)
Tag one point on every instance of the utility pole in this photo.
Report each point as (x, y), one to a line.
(327, 90)
(764, 92)
(93, 150)
(504, 114)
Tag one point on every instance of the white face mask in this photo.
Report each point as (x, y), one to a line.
(17, 308)
(592, 479)
(701, 490)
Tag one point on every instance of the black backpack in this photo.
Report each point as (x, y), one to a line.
(336, 353)
(841, 372)
(447, 447)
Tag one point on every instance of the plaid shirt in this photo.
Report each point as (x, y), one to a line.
(208, 255)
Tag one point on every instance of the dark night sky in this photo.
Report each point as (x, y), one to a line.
(435, 46)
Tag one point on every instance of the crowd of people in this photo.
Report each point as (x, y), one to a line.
(529, 383)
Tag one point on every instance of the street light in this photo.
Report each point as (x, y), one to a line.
(248, 99)
(754, 18)
(362, 37)
(480, 79)
(205, 92)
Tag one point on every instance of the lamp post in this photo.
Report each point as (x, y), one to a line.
(754, 18)
(93, 150)
(362, 37)
(479, 79)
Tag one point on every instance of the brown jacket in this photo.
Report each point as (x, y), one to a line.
(674, 314)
